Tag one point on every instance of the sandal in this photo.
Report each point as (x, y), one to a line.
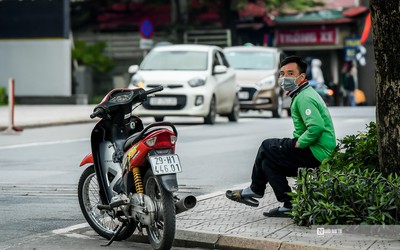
(276, 213)
(236, 195)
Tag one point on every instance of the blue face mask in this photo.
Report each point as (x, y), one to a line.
(288, 83)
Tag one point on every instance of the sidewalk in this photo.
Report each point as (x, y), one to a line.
(27, 116)
(217, 222)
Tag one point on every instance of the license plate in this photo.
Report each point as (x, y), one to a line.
(244, 95)
(163, 101)
(165, 164)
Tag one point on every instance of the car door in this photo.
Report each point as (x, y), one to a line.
(225, 90)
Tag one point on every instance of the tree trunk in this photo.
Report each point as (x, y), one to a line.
(386, 34)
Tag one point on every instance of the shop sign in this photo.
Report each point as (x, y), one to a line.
(351, 45)
(307, 36)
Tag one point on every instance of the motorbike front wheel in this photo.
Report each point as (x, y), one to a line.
(161, 235)
(105, 223)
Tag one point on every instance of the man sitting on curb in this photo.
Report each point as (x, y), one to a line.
(314, 140)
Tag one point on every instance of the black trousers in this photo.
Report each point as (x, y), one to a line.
(277, 159)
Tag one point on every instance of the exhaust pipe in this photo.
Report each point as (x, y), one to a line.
(185, 204)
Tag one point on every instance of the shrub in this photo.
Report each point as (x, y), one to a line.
(348, 188)
(92, 55)
(96, 99)
(3, 96)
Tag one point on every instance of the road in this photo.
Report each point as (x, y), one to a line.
(39, 168)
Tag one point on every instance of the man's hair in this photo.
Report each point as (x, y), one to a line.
(295, 59)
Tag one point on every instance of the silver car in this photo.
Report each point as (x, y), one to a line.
(256, 74)
(197, 82)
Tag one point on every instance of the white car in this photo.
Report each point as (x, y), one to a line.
(197, 81)
(257, 70)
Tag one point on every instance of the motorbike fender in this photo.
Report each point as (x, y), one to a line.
(169, 182)
(87, 160)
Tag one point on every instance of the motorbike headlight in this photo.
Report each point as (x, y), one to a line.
(266, 83)
(137, 81)
(196, 82)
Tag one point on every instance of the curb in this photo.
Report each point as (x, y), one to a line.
(55, 123)
(185, 238)
(192, 239)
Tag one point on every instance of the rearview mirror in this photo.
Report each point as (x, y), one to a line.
(220, 69)
(133, 69)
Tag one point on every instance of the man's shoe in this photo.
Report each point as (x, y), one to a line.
(275, 212)
(236, 195)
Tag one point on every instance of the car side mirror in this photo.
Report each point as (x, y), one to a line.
(220, 69)
(133, 69)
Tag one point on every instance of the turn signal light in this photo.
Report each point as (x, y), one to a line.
(151, 142)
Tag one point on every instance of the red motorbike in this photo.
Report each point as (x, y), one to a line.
(130, 178)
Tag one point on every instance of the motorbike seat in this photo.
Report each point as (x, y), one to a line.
(131, 140)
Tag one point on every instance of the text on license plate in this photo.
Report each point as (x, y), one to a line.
(163, 101)
(165, 164)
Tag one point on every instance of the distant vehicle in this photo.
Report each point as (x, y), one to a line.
(324, 91)
(316, 79)
(256, 73)
(197, 81)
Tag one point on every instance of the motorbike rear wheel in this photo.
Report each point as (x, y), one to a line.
(104, 223)
(162, 234)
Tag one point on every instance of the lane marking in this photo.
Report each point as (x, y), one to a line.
(68, 231)
(34, 144)
(71, 228)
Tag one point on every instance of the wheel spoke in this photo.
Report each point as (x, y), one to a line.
(102, 219)
(162, 232)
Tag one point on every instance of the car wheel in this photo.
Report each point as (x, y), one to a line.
(212, 113)
(159, 118)
(234, 115)
(277, 112)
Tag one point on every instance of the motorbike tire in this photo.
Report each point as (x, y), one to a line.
(162, 234)
(101, 221)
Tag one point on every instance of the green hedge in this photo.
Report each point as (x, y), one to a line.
(348, 189)
(3, 96)
(92, 55)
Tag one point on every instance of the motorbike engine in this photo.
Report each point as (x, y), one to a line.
(143, 209)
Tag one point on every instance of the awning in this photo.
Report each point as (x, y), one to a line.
(354, 11)
(320, 17)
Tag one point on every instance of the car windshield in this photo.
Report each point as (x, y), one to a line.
(254, 60)
(175, 60)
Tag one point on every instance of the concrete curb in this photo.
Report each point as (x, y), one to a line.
(186, 238)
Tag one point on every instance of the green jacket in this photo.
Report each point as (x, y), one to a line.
(313, 125)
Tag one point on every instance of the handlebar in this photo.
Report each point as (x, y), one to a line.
(97, 112)
(100, 110)
(156, 89)
(143, 96)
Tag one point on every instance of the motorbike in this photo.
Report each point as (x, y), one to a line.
(324, 91)
(130, 176)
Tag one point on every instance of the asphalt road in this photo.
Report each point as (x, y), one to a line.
(39, 170)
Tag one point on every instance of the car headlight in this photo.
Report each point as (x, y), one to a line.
(266, 83)
(137, 81)
(196, 82)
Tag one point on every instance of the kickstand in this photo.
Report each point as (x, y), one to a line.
(119, 228)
